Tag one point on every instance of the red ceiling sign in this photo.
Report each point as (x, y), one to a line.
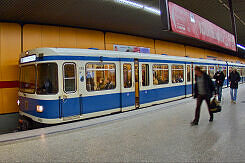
(187, 23)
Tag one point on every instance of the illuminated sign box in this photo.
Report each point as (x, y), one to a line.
(124, 48)
(189, 24)
(27, 59)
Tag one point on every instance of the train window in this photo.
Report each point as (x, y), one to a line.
(160, 74)
(28, 79)
(100, 76)
(145, 75)
(177, 73)
(211, 71)
(224, 70)
(216, 68)
(203, 68)
(69, 70)
(127, 75)
(47, 78)
(188, 73)
(240, 71)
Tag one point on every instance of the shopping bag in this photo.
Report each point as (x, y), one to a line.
(215, 106)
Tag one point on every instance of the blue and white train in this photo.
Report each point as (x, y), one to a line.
(61, 84)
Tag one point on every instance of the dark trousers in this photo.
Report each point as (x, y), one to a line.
(219, 92)
(200, 98)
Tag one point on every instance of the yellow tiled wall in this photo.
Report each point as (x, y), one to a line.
(8, 100)
(194, 52)
(10, 49)
(164, 47)
(35, 36)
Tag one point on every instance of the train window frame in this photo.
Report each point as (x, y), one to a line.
(75, 77)
(131, 67)
(147, 68)
(188, 73)
(239, 69)
(164, 64)
(225, 71)
(209, 68)
(172, 70)
(204, 67)
(194, 70)
(57, 78)
(35, 71)
(101, 63)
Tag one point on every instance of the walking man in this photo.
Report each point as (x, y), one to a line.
(219, 77)
(203, 90)
(234, 78)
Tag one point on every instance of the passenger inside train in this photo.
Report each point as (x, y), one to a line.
(109, 84)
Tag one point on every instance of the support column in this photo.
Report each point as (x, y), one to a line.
(233, 21)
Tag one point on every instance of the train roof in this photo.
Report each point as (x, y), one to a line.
(114, 54)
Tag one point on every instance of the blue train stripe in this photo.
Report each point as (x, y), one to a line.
(90, 58)
(98, 58)
(148, 96)
(90, 104)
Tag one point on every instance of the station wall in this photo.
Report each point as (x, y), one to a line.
(10, 49)
(15, 38)
(164, 47)
(36, 36)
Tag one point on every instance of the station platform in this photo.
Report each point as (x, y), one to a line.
(161, 133)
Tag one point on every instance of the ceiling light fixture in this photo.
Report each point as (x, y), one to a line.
(240, 46)
(130, 3)
(141, 6)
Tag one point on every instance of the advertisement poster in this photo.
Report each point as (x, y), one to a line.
(124, 48)
(187, 23)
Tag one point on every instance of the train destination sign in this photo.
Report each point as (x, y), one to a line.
(187, 23)
(30, 58)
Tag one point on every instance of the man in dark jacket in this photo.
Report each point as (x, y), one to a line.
(203, 90)
(219, 77)
(234, 78)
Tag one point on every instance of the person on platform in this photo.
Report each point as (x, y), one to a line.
(219, 77)
(234, 78)
(203, 90)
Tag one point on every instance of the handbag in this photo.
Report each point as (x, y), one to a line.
(215, 105)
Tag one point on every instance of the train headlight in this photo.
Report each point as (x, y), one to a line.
(18, 102)
(39, 108)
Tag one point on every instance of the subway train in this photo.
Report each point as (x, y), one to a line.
(59, 85)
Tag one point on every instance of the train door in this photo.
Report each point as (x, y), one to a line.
(192, 78)
(127, 86)
(188, 80)
(227, 69)
(136, 78)
(81, 79)
(239, 70)
(211, 72)
(70, 103)
(243, 74)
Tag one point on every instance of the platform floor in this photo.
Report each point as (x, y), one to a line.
(159, 133)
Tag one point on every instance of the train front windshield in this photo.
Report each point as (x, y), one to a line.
(41, 78)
